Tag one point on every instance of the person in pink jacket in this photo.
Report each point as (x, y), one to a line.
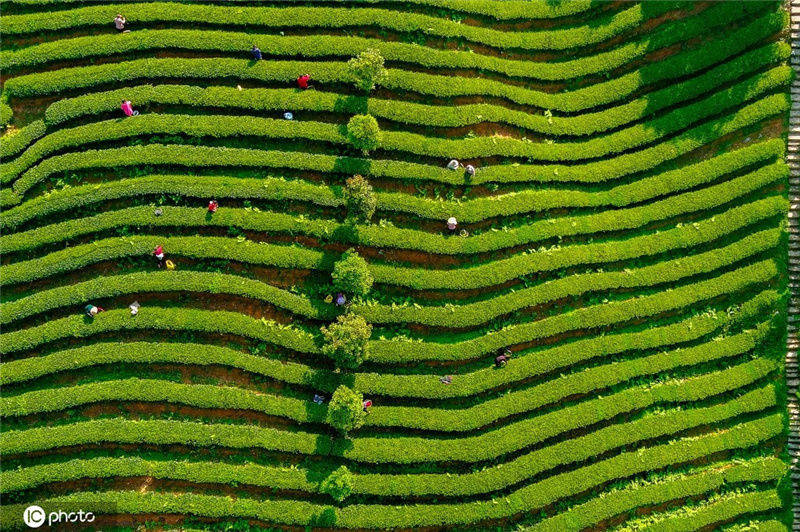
(127, 108)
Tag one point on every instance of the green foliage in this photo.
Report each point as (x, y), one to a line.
(359, 198)
(596, 171)
(173, 319)
(347, 340)
(339, 484)
(351, 275)
(439, 85)
(461, 314)
(363, 133)
(6, 114)
(452, 420)
(352, 340)
(478, 209)
(367, 70)
(389, 236)
(637, 494)
(545, 361)
(345, 410)
(221, 126)
(714, 510)
(615, 502)
(156, 390)
(327, 17)
(626, 243)
(407, 450)
(416, 113)
(11, 145)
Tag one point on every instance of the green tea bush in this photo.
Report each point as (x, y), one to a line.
(351, 274)
(625, 237)
(339, 484)
(363, 133)
(367, 70)
(416, 113)
(346, 340)
(359, 198)
(478, 209)
(598, 94)
(345, 411)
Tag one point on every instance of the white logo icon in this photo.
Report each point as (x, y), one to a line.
(34, 516)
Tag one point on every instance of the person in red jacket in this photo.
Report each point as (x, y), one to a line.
(159, 254)
(303, 81)
(212, 206)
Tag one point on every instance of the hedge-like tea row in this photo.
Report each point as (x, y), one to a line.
(170, 319)
(513, 203)
(320, 46)
(714, 511)
(501, 10)
(526, 499)
(591, 381)
(479, 381)
(485, 275)
(667, 33)
(463, 314)
(324, 46)
(197, 247)
(737, 472)
(529, 498)
(6, 113)
(227, 126)
(392, 237)
(619, 501)
(207, 472)
(759, 469)
(400, 349)
(592, 172)
(585, 318)
(769, 525)
(483, 311)
(404, 449)
(578, 480)
(163, 281)
(155, 391)
(557, 257)
(434, 419)
(556, 454)
(661, 356)
(221, 126)
(563, 420)
(13, 144)
(333, 72)
(416, 113)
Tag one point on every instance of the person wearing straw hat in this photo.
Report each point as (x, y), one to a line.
(452, 223)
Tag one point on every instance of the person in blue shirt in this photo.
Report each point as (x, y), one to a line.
(256, 53)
